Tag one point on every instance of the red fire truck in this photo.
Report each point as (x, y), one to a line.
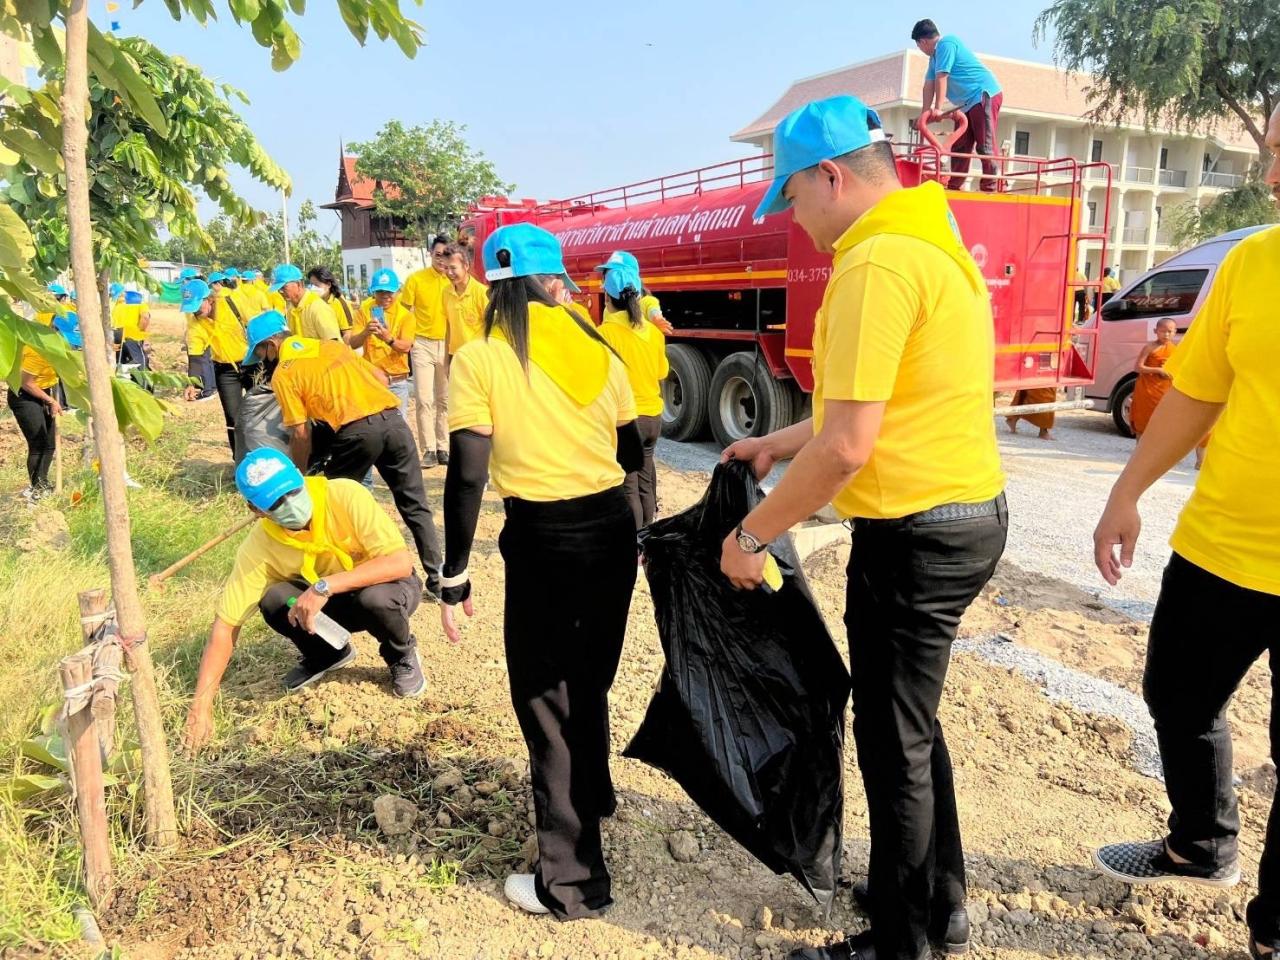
(742, 293)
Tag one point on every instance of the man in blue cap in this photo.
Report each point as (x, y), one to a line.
(319, 547)
(902, 442)
(308, 313)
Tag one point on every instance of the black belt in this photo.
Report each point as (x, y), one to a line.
(380, 415)
(947, 511)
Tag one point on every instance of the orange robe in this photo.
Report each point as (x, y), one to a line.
(1042, 421)
(1150, 389)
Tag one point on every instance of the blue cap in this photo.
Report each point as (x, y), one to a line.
(217, 276)
(265, 475)
(818, 131)
(188, 273)
(231, 272)
(284, 273)
(69, 326)
(133, 297)
(194, 293)
(262, 327)
(619, 279)
(621, 258)
(534, 252)
(115, 290)
(58, 290)
(250, 275)
(384, 281)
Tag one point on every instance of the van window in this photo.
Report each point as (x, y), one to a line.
(1167, 293)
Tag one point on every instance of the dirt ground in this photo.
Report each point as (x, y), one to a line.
(293, 858)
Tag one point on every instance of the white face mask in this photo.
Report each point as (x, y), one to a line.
(318, 291)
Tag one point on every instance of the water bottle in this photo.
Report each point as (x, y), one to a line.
(328, 629)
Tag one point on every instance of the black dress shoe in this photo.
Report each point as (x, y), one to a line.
(951, 939)
(857, 947)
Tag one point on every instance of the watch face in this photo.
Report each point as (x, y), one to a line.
(747, 543)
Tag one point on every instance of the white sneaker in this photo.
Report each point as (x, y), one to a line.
(523, 892)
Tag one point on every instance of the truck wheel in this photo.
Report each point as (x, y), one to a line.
(685, 392)
(746, 400)
(1121, 404)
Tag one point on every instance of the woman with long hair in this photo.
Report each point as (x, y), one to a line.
(35, 406)
(542, 402)
(325, 284)
(643, 348)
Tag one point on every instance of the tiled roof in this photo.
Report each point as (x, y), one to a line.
(898, 78)
(355, 189)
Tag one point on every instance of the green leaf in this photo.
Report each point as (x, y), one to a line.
(19, 193)
(8, 349)
(137, 409)
(245, 11)
(49, 750)
(27, 786)
(117, 71)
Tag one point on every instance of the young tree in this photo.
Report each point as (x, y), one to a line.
(262, 244)
(428, 175)
(82, 49)
(1245, 206)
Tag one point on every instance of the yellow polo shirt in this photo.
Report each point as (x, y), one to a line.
(343, 312)
(465, 312)
(644, 351)
(314, 319)
(326, 380)
(221, 333)
(546, 445)
(354, 523)
(1231, 354)
(900, 323)
(40, 369)
(1110, 284)
(277, 302)
(126, 317)
(399, 323)
(423, 293)
(248, 300)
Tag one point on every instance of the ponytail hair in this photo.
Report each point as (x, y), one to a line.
(508, 311)
(630, 302)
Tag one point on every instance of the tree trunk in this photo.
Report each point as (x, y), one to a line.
(104, 298)
(161, 819)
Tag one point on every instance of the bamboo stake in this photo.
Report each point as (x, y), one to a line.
(156, 580)
(106, 667)
(161, 817)
(86, 777)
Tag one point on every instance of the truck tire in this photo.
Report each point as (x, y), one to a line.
(685, 392)
(746, 400)
(1121, 402)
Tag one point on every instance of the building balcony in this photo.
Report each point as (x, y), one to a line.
(1226, 181)
(1135, 235)
(1140, 175)
(1097, 173)
(1173, 178)
(1164, 237)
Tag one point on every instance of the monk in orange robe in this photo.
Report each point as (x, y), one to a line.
(1044, 421)
(1154, 382)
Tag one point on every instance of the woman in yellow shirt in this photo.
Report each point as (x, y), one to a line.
(35, 406)
(215, 337)
(543, 403)
(643, 349)
(326, 286)
(384, 329)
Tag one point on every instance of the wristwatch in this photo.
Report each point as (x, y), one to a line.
(748, 543)
(321, 587)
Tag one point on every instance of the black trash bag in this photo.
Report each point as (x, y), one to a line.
(748, 716)
(259, 422)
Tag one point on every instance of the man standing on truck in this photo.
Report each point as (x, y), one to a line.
(1225, 564)
(901, 441)
(956, 75)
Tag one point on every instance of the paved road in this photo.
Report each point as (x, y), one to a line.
(1056, 493)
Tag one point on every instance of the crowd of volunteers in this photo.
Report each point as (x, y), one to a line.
(517, 390)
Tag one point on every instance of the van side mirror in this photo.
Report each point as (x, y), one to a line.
(1117, 309)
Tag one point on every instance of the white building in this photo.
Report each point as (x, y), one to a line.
(1154, 171)
(370, 242)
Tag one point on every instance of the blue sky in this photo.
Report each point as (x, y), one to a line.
(565, 97)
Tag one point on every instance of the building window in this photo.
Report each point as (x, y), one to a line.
(1022, 143)
(1095, 155)
(364, 275)
(351, 275)
(1093, 213)
(1208, 163)
(1159, 215)
(1164, 158)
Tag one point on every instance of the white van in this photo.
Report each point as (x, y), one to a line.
(1173, 289)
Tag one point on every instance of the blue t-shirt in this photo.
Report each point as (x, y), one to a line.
(967, 78)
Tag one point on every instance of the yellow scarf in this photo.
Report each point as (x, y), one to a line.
(575, 362)
(318, 544)
(919, 212)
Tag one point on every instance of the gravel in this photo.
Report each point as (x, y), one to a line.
(1082, 691)
(1056, 490)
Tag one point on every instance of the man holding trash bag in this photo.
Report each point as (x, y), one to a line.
(902, 442)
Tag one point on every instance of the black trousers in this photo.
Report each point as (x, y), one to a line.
(385, 441)
(382, 609)
(36, 423)
(230, 383)
(909, 583)
(1193, 668)
(642, 485)
(200, 366)
(563, 646)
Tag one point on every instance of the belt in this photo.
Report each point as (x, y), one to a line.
(397, 377)
(380, 415)
(945, 512)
